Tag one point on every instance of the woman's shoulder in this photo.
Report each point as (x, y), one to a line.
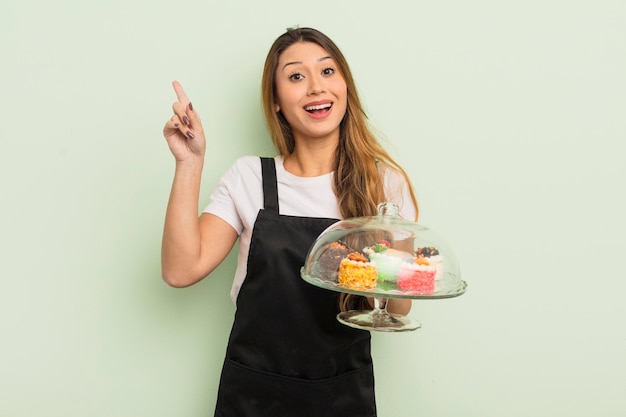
(250, 163)
(246, 162)
(391, 174)
(244, 167)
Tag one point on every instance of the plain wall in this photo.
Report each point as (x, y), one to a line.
(508, 116)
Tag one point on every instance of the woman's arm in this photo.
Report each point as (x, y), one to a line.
(192, 246)
(400, 306)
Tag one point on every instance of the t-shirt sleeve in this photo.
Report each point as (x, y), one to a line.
(221, 201)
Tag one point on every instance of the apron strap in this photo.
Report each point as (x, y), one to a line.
(270, 189)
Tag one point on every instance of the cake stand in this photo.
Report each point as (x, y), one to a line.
(404, 242)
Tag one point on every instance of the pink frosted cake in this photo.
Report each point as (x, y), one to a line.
(417, 276)
(421, 274)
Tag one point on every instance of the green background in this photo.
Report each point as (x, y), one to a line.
(508, 116)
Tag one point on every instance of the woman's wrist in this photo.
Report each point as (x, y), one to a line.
(191, 165)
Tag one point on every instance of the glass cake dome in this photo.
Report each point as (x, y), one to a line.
(383, 257)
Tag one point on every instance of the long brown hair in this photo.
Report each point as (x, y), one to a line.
(358, 178)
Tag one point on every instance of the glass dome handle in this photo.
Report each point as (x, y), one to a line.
(388, 209)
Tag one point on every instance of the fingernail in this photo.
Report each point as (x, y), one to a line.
(190, 107)
(176, 125)
(190, 134)
(185, 120)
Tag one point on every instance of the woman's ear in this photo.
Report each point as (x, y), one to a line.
(277, 108)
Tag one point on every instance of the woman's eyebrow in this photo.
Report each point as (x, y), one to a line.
(324, 58)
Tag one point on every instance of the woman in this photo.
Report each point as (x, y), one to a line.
(287, 355)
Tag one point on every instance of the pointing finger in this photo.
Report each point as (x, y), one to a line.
(180, 93)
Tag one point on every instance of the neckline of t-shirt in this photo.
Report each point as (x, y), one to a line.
(291, 178)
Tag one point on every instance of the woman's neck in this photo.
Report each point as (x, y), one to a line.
(308, 161)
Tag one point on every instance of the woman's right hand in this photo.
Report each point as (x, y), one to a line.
(183, 132)
(192, 246)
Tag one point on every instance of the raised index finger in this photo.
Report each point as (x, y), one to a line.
(180, 93)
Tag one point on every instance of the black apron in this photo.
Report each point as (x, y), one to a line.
(287, 354)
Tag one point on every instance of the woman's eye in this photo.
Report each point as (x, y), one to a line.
(328, 71)
(296, 76)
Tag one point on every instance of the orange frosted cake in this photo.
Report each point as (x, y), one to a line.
(355, 271)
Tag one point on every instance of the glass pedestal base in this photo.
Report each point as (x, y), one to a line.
(380, 320)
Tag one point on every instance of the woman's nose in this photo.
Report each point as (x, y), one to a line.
(316, 85)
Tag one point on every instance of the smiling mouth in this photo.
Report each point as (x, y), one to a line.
(319, 108)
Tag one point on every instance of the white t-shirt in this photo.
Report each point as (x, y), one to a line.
(238, 197)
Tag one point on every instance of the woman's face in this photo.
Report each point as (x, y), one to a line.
(311, 92)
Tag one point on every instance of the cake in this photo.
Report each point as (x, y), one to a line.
(432, 256)
(427, 251)
(417, 276)
(355, 271)
(328, 262)
(388, 260)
